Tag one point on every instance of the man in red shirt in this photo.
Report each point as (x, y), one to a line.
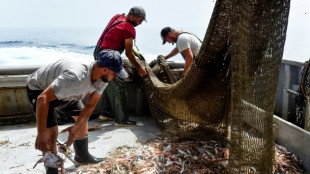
(119, 35)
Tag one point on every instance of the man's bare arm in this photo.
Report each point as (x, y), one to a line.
(79, 129)
(132, 58)
(42, 106)
(43, 138)
(173, 52)
(88, 109)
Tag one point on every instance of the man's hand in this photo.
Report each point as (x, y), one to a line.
(79, 129)
(142, 72)
(162, 56)
(43, 141)
(72, 134)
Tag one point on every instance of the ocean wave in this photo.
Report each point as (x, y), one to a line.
(89, 47)
(62, 46)
(19, 56)
(17, 43)
(68, 45)
(25, 55)
(16, 52)
(11, 42)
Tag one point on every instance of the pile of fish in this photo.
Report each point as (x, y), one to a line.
(163, 155)
(286, 162)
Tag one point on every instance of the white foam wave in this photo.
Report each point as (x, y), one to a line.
(20, 56)
(38, 56)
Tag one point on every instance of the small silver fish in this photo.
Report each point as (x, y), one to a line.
(51, 160)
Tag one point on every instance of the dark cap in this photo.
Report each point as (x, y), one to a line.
(112, 60)
(164, 32)
(138, 11)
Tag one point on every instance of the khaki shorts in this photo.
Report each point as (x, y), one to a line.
(56, 107)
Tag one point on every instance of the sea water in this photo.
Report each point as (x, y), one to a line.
(40, 46)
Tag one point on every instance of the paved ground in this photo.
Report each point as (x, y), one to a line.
(18, 155)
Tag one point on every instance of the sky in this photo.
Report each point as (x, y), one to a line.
(94, 13)
(179, 14)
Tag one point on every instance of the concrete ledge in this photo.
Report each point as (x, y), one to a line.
(18, 70)
(295, 139)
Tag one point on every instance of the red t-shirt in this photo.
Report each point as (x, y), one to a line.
(115, 37)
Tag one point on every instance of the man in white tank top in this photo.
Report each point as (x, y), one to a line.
(187, 44)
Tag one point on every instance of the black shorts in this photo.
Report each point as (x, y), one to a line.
(56, 107)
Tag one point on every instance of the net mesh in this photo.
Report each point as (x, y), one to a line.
(229, 91)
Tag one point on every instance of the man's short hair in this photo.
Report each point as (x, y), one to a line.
(138, 11)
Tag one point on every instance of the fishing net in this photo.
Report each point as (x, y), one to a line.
(229, 91)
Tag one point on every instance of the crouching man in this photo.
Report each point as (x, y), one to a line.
(58, 89)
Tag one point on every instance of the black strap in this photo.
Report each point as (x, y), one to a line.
(111, 25)
(190, 34)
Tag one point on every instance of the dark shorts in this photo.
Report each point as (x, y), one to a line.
(56, 107)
